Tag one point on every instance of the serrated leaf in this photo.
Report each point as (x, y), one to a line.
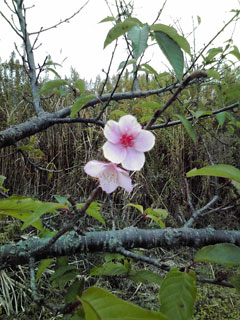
(52, 84)
(107, 19)
(93, 211)
(80, 102)
(99, 304)
(139, 36)
(217, 170)
(118, 30)
(42, 267)
(188, 126)
(172, 51)
(137, 206)
(177, 295)
(222, 253)
(146, 276)
(172, 33)
(110, 269)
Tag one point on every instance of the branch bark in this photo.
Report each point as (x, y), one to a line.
(108, 241)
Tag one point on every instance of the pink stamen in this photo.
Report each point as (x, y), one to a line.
(127, 141)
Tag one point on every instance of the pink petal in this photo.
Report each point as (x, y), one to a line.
(129, 125)
(124, 180)
(144, 141)
(134, 160)
(114, 152)
(112, 132)
(94, 168)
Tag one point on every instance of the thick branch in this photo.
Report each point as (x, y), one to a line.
(109, 241)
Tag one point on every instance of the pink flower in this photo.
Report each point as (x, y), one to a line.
(127, 142)
(109, 175)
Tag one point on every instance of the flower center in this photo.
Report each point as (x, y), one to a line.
(126, 141)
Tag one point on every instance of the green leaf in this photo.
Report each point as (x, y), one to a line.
(118, 30)
(2, 179)
(80, 84)
(213, 52)
(122, 64)
(52, 84)
(235, 52)
(177, 295)
(28, 210)
(54, 72)
(139, 36)
(235, 281)
(149, 69)
(107, 19)
(137, 206)
(201, 113)
(152, 105)
(221, 117)
(75, 290)
(146, 276)
(62, 200)
(99, 304)
(223, 253)
(116, 114)
(42, 267)
(80, 102)
(113, 256)
(236, 185)
(217, 170)
(93, 211)
(60, 272)
(110, 269)
(157, 215)
(172, 51)
(172, 33)
(213, 74)
(188, 126)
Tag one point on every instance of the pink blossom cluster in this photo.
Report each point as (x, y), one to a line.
(125, 145)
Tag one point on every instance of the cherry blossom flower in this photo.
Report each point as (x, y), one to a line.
(127, 142)
(109, 175)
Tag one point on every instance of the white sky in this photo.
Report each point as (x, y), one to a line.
(81, 40)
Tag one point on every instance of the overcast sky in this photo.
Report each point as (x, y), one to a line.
(80, 42)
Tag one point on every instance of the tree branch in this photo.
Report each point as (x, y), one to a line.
(108, 241)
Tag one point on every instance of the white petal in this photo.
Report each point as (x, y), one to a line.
(108, 179)
(94, 168)
(114, 152)
(112, 132)
(144, 141)
(129, 125)
(125, 181)
(134, 160)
